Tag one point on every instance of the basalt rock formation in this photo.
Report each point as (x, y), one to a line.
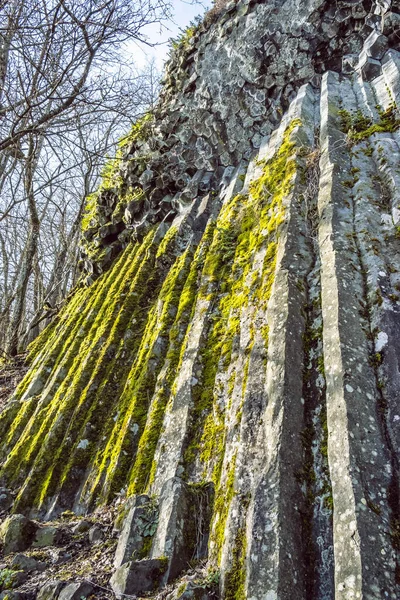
(230, 362)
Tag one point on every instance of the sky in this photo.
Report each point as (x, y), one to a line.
(183, 14)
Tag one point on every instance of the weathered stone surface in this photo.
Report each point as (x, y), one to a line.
(96, 534)
(22, 562)
(197, 592)
(376, 45)
(346, 343)
(51, 590)
(139, 526)
(370, 68)
(137, 577)
(76, 591)
(208, 125)
(177, 533)
(17, 533)
(47, 536)
(81, 527)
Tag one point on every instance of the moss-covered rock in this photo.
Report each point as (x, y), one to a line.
(17, 533)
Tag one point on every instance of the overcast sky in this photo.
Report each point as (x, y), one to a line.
(183, 14)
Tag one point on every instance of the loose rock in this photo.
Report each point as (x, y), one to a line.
(17, 533)
(137, 577)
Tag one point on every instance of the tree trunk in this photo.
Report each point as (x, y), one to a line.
(12, 346)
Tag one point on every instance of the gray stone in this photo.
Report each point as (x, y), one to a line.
(17, 533)
(391, 24)
(96, 534)
(81, 527)
(76, 591)
(47, 536)
(175, 537)
(349, 63)
(376, 45)
(359, 478)
(12, 595)
(61, 557)
(22, 562)
(303, 409)
(138, 526)
(137, 577)
(371, 68)
(51, 590)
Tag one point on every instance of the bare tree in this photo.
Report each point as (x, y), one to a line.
(56, 53)
(65, 98)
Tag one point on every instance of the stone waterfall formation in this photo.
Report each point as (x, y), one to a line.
(231, 356)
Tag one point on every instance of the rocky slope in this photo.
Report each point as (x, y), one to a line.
(229, 371)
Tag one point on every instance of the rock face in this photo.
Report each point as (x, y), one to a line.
(235, 370)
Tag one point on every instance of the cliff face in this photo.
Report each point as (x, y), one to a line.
(232, 364)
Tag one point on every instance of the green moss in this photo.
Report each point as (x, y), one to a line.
(140, 131)
(114, 461)
(213, 442)
(235, 577)
(68, 343)
(368, 151)
(222, 504)
(349, 183)
(245, 226)
(86, 377)
(168, 238)
(328, 502)
(141, 473)
(345, 120)
(106, 368)
(376, 359)
(146, 548)
(360, 127)
(181, 43)
(111, 179)
(8, 577)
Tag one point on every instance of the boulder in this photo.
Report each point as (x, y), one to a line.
(136, 528)
(47, 536)
(176, 536)
(51, 590)
(21, 562)
(76, 591)
(138, 577)
(17, 533)
(81, 527)
(96, 534)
